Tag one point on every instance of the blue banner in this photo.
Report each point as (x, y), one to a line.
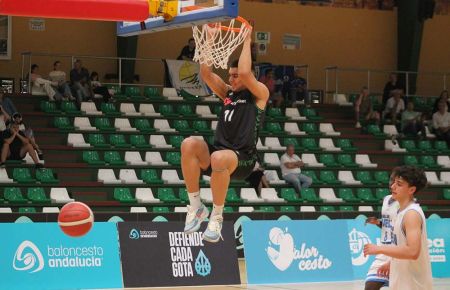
(40, 256)
(296, 251)
(438, 234)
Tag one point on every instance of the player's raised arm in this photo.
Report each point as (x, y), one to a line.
(258, 89)
(214, 82)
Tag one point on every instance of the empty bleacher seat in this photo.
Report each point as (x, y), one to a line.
(307, 208)
(148, 110)
(365, 208)
(364, 161)
(60, 195)
(328, 195)
(159, 141)
(443, 161)
(107, 176)
(293, 114)
(182, 209)
(123, 124)
(150, 176)
(206, 195)
(128, 109)
(310, 160)
(249, 195)
(274, 144)
(272, 177)
(134, 158)
(145, 195)
(138, 209)
(128, 176)
(328, 129)
(260, 146)
(50, 209)
(272, 159)
(433, 178)
(89, 108)
(341, 100)
(163, 126)
(83, 124)
(245, 209)
(389, 145)
(5, 210)
(346, 177)
(204, 111)
(77, 140)
(154, 158)
(292, 129)
(171, 94)
(328, 145)
(170, 176)
(271, 195)
(4, 178)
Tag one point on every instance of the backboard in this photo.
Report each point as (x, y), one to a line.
(186, 13)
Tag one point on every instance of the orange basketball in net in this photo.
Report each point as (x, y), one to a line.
(75, 219)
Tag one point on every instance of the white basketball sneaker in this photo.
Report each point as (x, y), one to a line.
(194, 218)
(213, 232)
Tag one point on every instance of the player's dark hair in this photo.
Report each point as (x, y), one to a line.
(33, 67)
(235, 64)
(413, 176)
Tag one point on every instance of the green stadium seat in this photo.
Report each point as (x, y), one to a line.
(411, 160)
(174, 158)
(365, 194)
(138, 141)
(143, 125)
(276, 114)
(110, 109)
(274, 128)
(309, 194)
(267, 208)
(150, 176)
(103, 124)
(346, 208)
(201, 126)
(441, 147)
(291, 141)
(424, 207)
(49, 107)
(133, 92)
(328, 177)
(97, 140)
(232, 196)
(92, 158)
(23, 175)
(14, 195)
(37, 195)
(176, 140)
(347, 195)
(166, 194)
(382, 177)
(313, 176)
(290, 195)
(429, 162)
(182, 126)
(375, 130)
(161, 209)
(113, 158)
(183, 195)
(365, 177)
(27, 210)
(167, 110)
(446, 193)
(186, 111)
(45, 175)
(118, 94)
(346, 145)
(187, 96)
(70, 108)
(311, 114)
(310, 144)
(410, 146)
(346, 161)
(217, 109)
(327, 208)
(119, 141)
(123, 195)
(152, 93)
(63, 123)
(381, 193)
(328, 160)
(228, 209)
(426, 146)
(311, 129)
(287, 208)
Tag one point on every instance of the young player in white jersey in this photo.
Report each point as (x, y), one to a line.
(378, 274)
(410, 266)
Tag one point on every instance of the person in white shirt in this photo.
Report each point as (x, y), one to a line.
(441, 122)
(291, 172)
(394, 106)
(58, 77)
(410, 266)
(46, 85)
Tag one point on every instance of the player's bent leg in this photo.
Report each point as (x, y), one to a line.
(194, 158)
(223, 164)
(373, 285)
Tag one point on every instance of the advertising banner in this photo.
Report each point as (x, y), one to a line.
(160, 254)
(40, 256)
(185, 75)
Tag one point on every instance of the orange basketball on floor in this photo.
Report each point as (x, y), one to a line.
(75, 219)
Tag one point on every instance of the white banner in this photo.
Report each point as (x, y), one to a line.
(185, 75)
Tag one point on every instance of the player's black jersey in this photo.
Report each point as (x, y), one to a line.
(239, 123)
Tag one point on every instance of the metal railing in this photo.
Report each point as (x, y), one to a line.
(369, 76)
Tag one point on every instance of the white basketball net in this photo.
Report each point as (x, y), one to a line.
(215, 43)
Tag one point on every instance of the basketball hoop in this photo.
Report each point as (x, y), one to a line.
(215, 42)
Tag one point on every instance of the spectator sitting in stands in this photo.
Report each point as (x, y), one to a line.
(364, 107)
(441, 122)
(99, 89)
(298, 89)
(188, 52)
(442, 97)
(268, 79)
(290, 169)
(16, 146)
(46, 85)
(412, 121)
(79, 77)
(394, 107)
(28, 132)
(58, 77)
(6, 105)
(257, 179)
(389, 87)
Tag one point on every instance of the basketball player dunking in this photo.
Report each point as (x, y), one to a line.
(410, 266)
(233, 154)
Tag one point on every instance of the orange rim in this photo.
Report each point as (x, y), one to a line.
(235, 29)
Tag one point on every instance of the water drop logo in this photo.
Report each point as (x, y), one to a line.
(238, 231)
(28, 258)
(202, 265)
(357, 241)
(281, 248)
(134, 234)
